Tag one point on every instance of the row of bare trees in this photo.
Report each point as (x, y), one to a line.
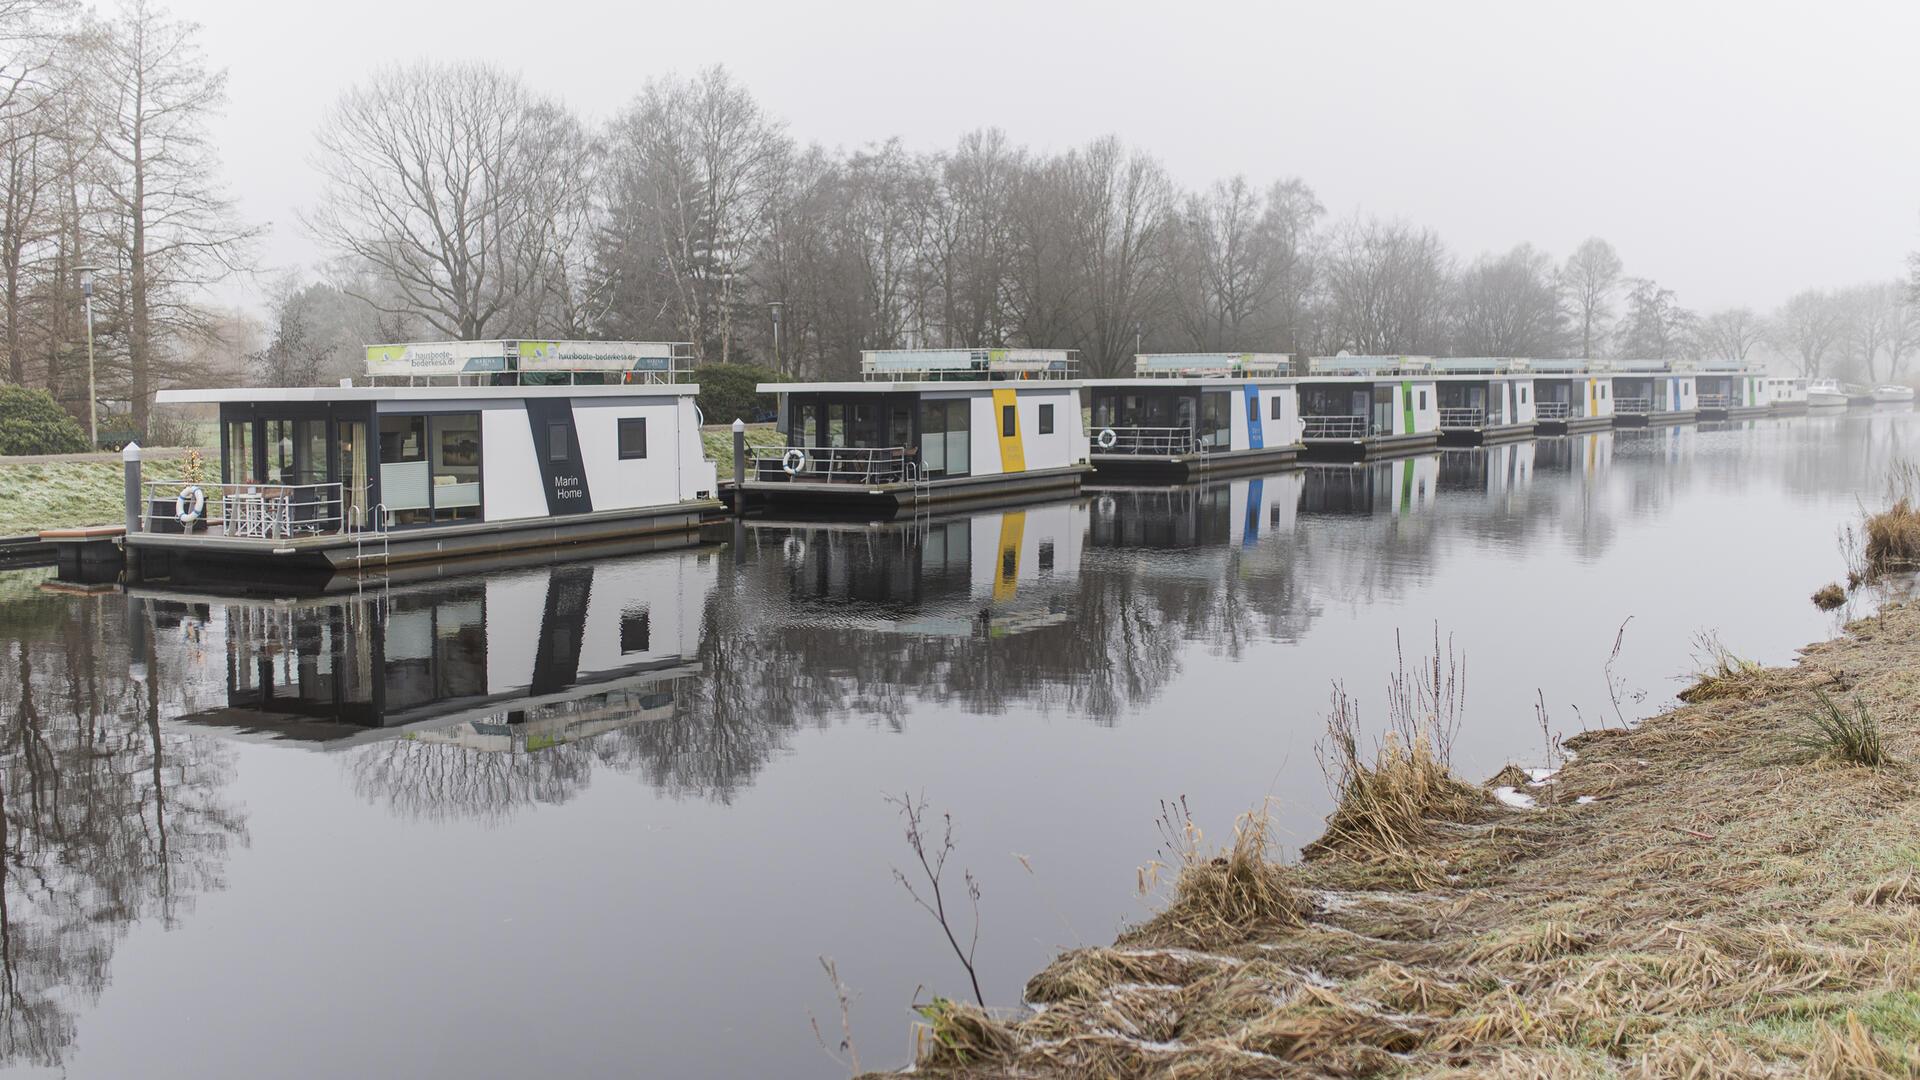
(107, 173)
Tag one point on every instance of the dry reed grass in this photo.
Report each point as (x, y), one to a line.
(1829, 596)
(1722, 912)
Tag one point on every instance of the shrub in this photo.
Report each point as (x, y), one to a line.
(1829, 597)
(31, 422)
(726, 392)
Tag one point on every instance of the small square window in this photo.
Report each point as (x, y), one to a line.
(559, 443)
(1009, 424)
(1279, 409)
(636, 630)
(1046, 419)
(633, 437)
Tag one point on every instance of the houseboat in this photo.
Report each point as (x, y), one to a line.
(452, 449)
(1368, 406)
(1651, 392)
(1571, 396)
(1785, 395)
(1188, 415)
(1826, 395)
(516, 660)
(1484, 399)
(923, 427)
(1729, 390)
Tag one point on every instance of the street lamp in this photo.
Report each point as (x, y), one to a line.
(775, 308)
(93, 398)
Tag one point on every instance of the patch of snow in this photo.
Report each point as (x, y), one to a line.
(1514, 799)
(1585, 799)
(1538, 777)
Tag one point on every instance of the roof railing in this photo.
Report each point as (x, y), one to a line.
(1370, 366)
(966, 365)
(1211, 365)
(516, 362)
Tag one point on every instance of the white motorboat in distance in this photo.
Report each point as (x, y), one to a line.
(1890, 394)
(1826, 394)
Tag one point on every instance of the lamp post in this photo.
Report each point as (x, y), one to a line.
(775, 308)
(93, 398)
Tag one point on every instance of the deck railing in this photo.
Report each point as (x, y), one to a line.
(835, 465)
(1552, 410)
(1633, 406)
(1715, 401)
(1144, 441)
(1463, 418)
(1336, 427)
(262, 511)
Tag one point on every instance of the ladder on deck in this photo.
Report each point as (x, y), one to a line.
(363, 538)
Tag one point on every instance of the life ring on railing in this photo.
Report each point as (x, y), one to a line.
(1106, 439)
(189, 505)
(794, 548)
(793, 462)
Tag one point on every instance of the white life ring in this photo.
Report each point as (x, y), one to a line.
(1106, 438)
(189, 504)
(793, 461)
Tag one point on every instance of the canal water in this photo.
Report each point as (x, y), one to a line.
(604, 818)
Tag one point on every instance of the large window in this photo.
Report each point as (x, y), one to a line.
(633, 437)
(456, 467)
(405, 484)
(946, 446)
(238, 453)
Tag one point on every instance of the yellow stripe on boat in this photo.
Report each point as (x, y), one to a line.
(1013, 457)
(1006, 576)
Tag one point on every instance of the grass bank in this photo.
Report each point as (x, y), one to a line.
(1717, 892)
(66, 490)
(718, 440)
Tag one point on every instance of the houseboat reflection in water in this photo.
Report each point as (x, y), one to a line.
(1383, 487)
(1242, 512)
(515, 660)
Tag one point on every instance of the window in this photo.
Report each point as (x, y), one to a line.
(636, 630)
(402, 438)
(633, 437)
(1523, 395)
(559, 445)
(239, 453)
(1046, 557)
(1423, 401)
(455, 461)
(406, 488)
(1046, 419)
(1279, 407)
(1009, 425)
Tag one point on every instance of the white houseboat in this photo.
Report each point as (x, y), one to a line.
(1785, 395)
(454, 449)
(1571, 396)
(1650, 392)
(1729, 390)
(1484, 399)
(926, 426)
(1368, 406)
(1826, 395)
(1190, 415)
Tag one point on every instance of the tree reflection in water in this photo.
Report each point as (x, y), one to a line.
(107, 820)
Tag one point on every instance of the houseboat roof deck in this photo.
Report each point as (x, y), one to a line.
(1480, 365)
(1211, 365)
(912, 387)
(463, 392)
(1368, 367)
(1573, 366)
(1649, 367)
(965, 365)
(529, 362)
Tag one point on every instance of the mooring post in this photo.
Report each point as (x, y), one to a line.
(739, 466)
(131, 458)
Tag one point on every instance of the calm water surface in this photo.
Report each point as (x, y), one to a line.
(603, 818)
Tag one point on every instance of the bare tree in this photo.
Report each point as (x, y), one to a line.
(1731, 333)
(175, 230)
(1654, 326)
(1509, 305)
(462, 192)
(1385, 288)
(1123, 205)
(692, 172)
(1590, 278)
(1807, 327)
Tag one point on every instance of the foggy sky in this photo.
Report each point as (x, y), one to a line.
(1735, 152)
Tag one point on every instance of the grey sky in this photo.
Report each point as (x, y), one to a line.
(1736, 152)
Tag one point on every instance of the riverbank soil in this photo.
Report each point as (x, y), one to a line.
(1705, 895)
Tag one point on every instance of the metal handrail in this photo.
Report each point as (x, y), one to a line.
(267, 511)
(1552, 410)
(1462, 418)
(1715, 401)
(1633, 406)
(1151, 441)
(1336, 427)
(837, 465)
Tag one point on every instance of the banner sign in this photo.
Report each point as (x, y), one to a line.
(596, 356)
(437, 358)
